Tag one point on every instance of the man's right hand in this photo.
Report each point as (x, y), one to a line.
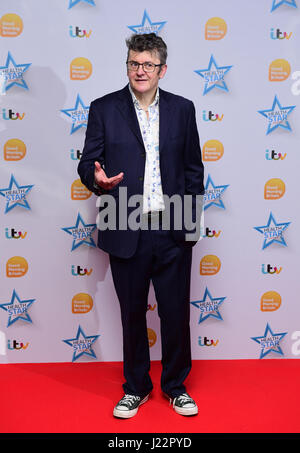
(103, 181)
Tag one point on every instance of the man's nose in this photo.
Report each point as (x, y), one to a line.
(140, 70)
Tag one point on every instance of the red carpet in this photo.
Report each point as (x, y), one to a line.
(234, 396)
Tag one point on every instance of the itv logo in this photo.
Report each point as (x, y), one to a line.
(278, 34)
(210, 116)
(76, 32)
(207, 342)
(11, 115)
(211, 233)
(11, 233)
(77, 270)
(75, 154)
(268, 269)
(15, 345)
(273, 155)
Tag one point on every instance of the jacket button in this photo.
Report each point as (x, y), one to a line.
(143, 155)
(141, 178)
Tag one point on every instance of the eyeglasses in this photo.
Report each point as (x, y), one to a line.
(147, 66)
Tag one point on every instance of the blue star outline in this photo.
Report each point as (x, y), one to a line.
(152, 27)
(274, 236)
(13, 73)
(75, 2)
(217, 201)
(17, 309)
(278, 115)
(268, 342)
(81, 346)
(277, 3)
(82, 116)
(18, 202)
(86, 237)
(211, 302)
(213, 76)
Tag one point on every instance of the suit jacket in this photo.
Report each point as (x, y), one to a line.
(113, 138)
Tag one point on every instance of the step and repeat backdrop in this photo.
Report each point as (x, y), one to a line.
(238, 61)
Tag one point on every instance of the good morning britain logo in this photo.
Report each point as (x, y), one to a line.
(279, 70)
(212, 150)
(80, 68)
(14, 149)
(215, 29)
(16, 266)
(274, 189)
(11, 25)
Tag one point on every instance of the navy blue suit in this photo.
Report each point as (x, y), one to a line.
(114, 139)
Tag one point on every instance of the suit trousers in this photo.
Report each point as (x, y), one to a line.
(158, 259)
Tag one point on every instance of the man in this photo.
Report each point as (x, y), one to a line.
(145, 140)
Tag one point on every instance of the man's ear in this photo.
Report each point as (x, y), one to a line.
(163, 70)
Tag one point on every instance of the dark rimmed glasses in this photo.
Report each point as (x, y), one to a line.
(147, 66)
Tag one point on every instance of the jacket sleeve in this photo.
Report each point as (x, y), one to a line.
(93, 150)
(193, 166)
(193, 174)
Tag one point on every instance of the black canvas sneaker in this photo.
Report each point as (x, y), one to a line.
(128, 406)
(184, 405)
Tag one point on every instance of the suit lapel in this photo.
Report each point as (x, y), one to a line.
(126, 107)
(164, 119)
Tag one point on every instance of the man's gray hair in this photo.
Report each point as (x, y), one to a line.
(149, 42)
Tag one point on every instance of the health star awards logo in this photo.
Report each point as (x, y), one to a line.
(17, 309)
(213, 76)
(212, 196)
(269, 342)
(15, 195)
(147, 26)
(13, 73)
(277, 3)
(209, 306)
(277, 116)
(82, 344)
(75, 2)
(79, 115)
(81, 233)
(273, 232)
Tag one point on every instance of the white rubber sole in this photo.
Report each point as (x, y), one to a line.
(128, 414)
(186, 411)
(183, 411)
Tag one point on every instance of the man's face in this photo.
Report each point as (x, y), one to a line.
(145, 82)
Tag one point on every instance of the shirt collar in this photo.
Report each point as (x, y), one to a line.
(136, 102)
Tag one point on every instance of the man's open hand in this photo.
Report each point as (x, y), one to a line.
(103, 181)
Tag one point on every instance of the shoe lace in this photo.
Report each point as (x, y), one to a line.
(184, 397)
(128, 400)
